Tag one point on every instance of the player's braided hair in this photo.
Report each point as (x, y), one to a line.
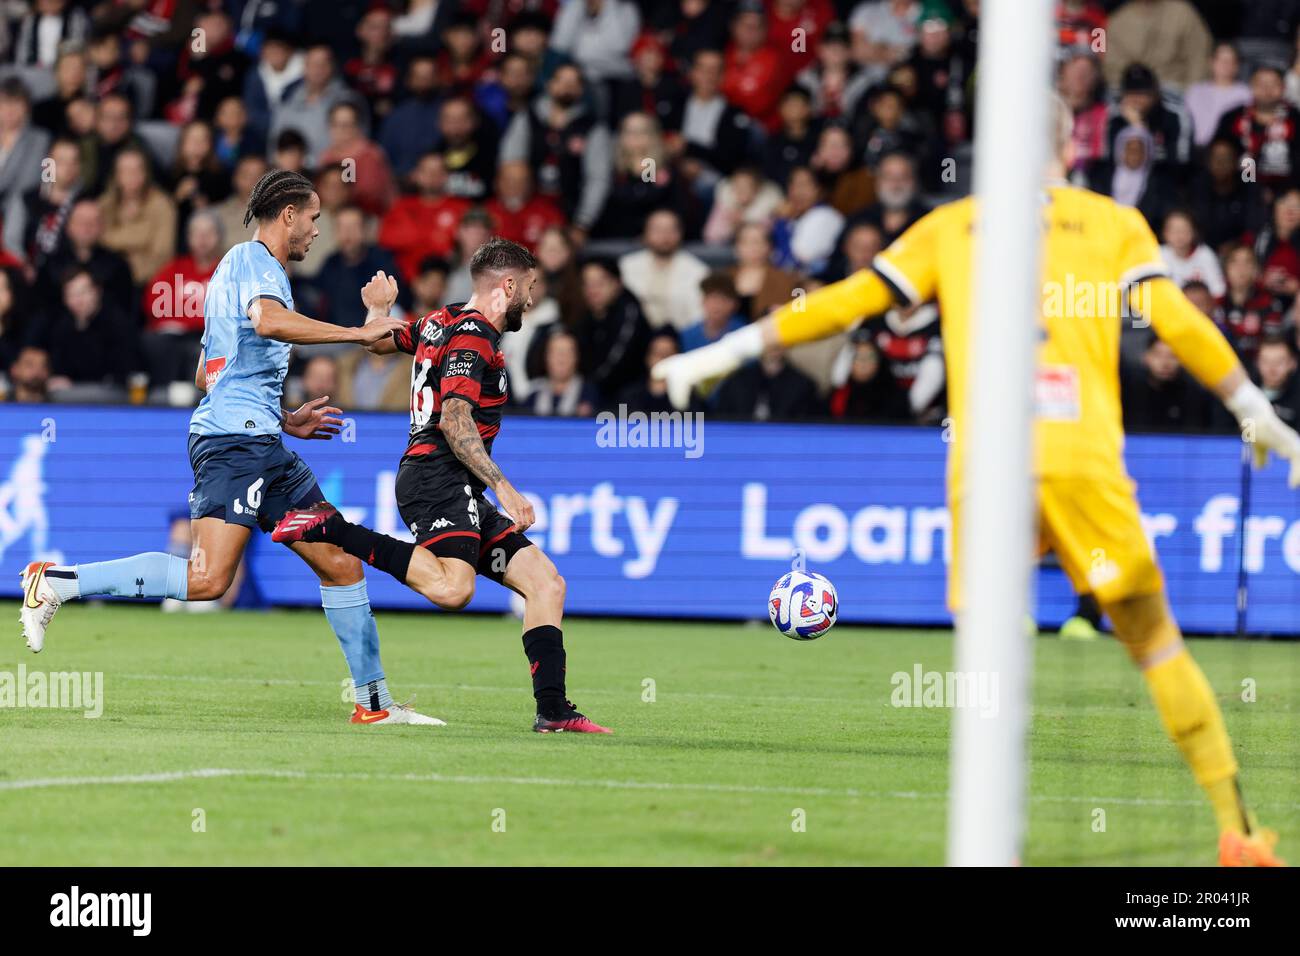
(274, 191)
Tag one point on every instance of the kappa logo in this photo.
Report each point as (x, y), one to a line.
(440, 523)
(467, 327)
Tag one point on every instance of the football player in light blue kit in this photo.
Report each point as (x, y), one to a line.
(244, 476)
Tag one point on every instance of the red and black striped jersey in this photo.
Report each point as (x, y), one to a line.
(456, 355)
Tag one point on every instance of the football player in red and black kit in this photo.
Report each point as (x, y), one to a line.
(458, 389)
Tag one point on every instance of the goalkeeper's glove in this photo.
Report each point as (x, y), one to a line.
(684, 371)
(1261, 426)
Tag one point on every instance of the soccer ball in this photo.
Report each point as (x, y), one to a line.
(803, 605)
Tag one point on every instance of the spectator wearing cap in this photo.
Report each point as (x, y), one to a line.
(517, 212)
(663, 276)
(1168, 36)
(743, 197)
(806, 227)
(1186, 257)
(139, 218)
(1159, 396)
(884, 33)
(373, 188)
(611, 330)
(643, 179)
(720, 313)
(755, 75)
(767, 388)
(567, 147)
(306, 103)
(1079, 84)
(714, 136)
(411, 129)
(795, 138)
(1224, 205)
(1142, 105)
(597, 35)
(1267, 129)
(833, 80)
(562, 390)
(1209, 100)
(760, 285)
(651, 89)
(44, 31)
(848, 183)
(279, 66)
(469, 148)
(22, 147)
(423, 222)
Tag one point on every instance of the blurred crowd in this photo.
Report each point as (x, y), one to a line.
(680, 168)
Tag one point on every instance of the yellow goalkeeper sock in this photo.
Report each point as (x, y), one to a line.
(1191, 716)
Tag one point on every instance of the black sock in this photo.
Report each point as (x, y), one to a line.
(1089, 610)
(545, 649)
(377, 550)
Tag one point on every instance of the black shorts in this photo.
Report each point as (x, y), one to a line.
(453, 520)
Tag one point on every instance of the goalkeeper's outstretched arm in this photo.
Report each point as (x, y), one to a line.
(808, 318)
(1206, 354)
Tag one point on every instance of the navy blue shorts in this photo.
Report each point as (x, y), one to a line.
(249, 480)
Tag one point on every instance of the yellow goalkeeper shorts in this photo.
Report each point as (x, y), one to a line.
(1095, 529)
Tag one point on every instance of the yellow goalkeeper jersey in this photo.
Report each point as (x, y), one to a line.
(1094, 251)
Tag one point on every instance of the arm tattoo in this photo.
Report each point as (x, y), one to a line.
(457, 424)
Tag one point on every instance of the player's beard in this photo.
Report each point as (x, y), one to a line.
(515, 316)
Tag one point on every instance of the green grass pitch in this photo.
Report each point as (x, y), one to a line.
(236, 721)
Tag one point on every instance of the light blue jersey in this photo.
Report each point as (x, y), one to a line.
(245, 372)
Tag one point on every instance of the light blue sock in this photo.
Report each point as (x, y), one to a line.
(150, 575)
(348, 611)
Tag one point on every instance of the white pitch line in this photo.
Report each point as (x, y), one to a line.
(172, 776)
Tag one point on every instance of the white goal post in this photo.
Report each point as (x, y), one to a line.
(986, 801)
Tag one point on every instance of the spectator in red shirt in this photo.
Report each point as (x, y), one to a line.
(797, 26)
(173, 302)
(372, 179)
(517, 213)
(424, 222)
(755, 75)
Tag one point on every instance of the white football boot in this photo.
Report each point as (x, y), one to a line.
(394, 714)
(39, 604)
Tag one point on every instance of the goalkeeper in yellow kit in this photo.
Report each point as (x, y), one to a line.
(1101, 263)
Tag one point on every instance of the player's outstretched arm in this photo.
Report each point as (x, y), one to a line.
(457, 426)
(271, 320)
(1208, 356)
(828, 311)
